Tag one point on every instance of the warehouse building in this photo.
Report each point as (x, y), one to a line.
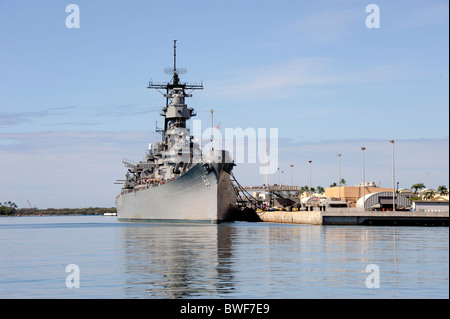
(351, 194)
(383, 201)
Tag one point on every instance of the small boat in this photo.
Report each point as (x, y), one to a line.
(110, 214)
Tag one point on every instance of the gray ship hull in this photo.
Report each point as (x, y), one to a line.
(203, 194)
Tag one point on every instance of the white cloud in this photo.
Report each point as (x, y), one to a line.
(270, 80)
(66, 169)
(327, 27)
(304, 77)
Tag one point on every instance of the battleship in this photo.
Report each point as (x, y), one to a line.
(176, 181)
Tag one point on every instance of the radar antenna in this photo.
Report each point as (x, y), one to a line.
(175, 80)
(174, 56)
(174, 70)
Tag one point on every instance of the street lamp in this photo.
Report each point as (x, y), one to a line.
(278, 176)
(309, 177)
(292, 172)
(339, 173)
(282, 173)
(364, 179)
(393, 177)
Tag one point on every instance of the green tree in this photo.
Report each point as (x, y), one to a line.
(442, 189)
(343, 182)
(8, 208)
(417, 186)
(304, 189)
(428, 195)
(320, 189)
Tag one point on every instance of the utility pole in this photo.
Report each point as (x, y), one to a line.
(364, 180)
(309, 177)
(292, 174)
(339, 173)
(393, 177)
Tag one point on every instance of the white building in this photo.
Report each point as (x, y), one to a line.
(430, 206)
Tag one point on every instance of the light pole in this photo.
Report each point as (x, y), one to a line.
(278, 176)
(292, 174)
(393, 177)
(339, 173)
(364, 179)
(282, 173)
(309, 177)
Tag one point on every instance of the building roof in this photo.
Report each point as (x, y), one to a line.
(426, 190)
(439, 198)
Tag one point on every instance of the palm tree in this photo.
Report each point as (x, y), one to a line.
(9, 204)
(343, 181)
(443, 190)
(334, 184)
(304, 189)
(417, 186)
(428, 195)
(320, 189)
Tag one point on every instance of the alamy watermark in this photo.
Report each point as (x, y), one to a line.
(373, 279)
(73, 19)
(73, 279)
(245, 146)
(373, 19)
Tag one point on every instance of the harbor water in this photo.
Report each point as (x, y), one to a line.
(99, 257)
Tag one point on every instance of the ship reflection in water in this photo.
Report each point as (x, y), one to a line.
(261, 260)
(178, 260)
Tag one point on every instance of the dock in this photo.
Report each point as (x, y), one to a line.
(357, 217)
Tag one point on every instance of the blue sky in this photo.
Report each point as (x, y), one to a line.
(73, 102)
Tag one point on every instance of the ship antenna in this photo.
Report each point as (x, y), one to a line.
(212, 130)
(174, 56)
(175, 75)
(174, 70)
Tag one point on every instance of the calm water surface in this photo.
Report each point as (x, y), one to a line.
(230, 260)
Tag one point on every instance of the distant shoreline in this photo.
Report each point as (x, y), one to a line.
(63, 211)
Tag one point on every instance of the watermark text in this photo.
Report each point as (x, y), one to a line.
(373, 279)
(73, 19)
(73, 279)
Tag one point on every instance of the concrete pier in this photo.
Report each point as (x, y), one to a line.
(356, 217)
